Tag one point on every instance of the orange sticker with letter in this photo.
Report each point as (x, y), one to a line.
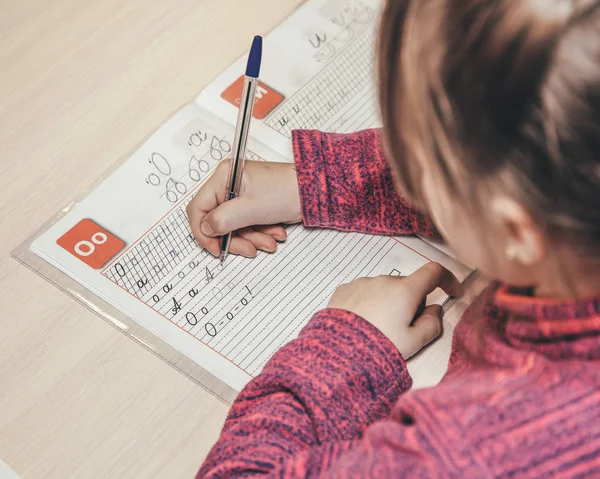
(90, 243)
(266, 98)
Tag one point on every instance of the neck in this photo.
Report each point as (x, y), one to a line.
(569, 275)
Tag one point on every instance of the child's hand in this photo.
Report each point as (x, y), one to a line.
(390, 303)
(268, 197)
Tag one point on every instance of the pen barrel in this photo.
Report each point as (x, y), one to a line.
(240, 138)
(225, 242)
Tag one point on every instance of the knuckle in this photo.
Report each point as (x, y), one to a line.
(426, 338)
(404, 286)
(217, 222)
(223, 166)
(431, 331)
(225, 163)
(271, 244)
(435, 268)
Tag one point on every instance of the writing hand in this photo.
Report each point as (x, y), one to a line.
(268, 197)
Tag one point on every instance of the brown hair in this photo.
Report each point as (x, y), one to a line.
(497, 94)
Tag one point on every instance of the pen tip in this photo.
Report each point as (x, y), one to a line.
(255, 58)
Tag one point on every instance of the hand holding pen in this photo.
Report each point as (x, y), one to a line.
(241, 131)
(264, 196)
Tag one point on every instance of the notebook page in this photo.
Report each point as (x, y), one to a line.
(318, 72)
(129, 242)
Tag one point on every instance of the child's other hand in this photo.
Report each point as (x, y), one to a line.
(269, 196)
(390, 303)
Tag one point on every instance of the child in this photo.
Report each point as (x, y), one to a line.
(491, 113)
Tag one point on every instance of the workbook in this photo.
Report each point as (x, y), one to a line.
(128, 241)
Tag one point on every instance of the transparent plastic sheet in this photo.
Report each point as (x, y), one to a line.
(122, 321)
(109, 313)
(113, 316)
(128, 325)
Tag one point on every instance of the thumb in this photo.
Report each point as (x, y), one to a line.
(230, 216)
(427, 326)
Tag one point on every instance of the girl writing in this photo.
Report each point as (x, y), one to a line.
(491, 124)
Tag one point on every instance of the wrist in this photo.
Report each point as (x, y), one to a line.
(295, 206)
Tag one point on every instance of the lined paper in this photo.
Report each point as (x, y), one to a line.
(231, 318)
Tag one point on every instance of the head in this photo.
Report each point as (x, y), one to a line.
(491, 112)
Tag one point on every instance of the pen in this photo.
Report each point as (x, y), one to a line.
(240, 137)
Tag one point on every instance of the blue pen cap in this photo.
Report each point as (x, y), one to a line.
(255, 58)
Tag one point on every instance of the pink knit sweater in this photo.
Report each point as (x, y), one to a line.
(521, 397)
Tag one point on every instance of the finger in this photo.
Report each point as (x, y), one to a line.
(260, 240)
(212, 192)
(208, 198)
(237, 245)
(242, 247)
(420, 309)
(231, 216)
(430, 277)
(427, 326)
(277, 232)
(213, 245)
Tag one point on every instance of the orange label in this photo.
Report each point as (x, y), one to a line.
(90, 243)
(266, 98)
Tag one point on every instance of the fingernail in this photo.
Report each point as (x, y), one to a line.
(268, 250)
(206, 228)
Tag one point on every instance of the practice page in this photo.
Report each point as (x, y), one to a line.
(318, 72)
(129, 242)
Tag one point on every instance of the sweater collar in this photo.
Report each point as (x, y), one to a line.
(557, 328)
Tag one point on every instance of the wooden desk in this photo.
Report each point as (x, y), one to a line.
(81, 84)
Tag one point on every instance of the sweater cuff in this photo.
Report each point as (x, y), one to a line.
(358, 367)
(312, 178)
(359, 341)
